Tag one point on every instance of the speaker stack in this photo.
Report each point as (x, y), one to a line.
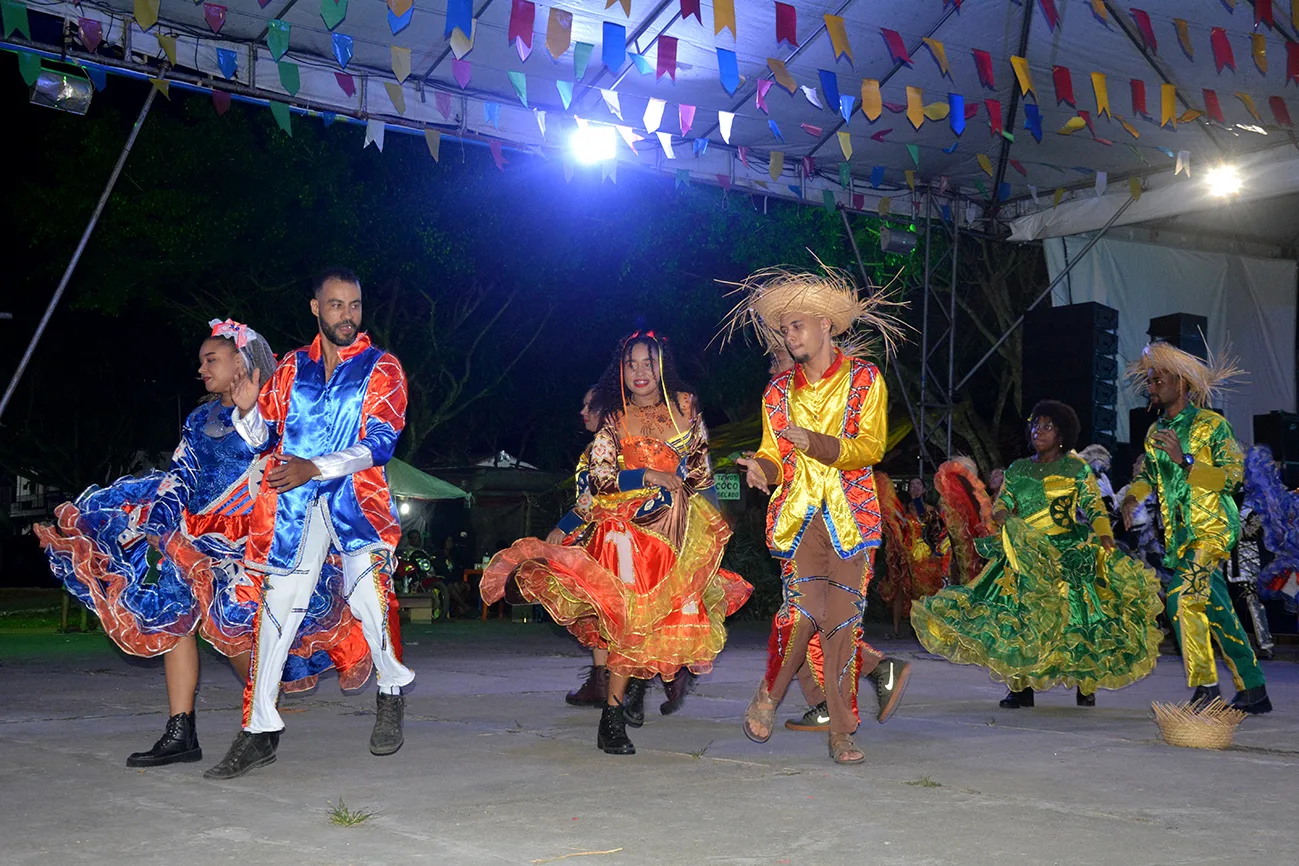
(1184, 331)
(1280, 432)
(1071, 354)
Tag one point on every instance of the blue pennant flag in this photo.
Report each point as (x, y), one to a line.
(613, 50)
(952, 149)
(398, 23)
(98, 76)
(329, 117)
(342, 49)
(829, 86)
(565, 89)
(846, 103)
(877, 176)
(775, 130)
(956, 114)
(1166, 152)
(946, 212)
(728, 69)
(795, 190)
(492, 113)
(227, 62)
(1003, 192)
(460, 13)
(701, 146)
(1033, 121)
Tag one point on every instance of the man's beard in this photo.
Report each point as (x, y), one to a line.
(801, 359)
(334, 337)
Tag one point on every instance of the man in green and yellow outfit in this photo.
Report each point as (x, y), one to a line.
(1194, 464)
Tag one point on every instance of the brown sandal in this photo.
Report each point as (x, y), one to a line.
(841, 746)
(761, 711)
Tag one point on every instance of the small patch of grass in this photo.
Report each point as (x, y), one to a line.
(700, 752)
(345, 817)
(924, 782)
(991, 723)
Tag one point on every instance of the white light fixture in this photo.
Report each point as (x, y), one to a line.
(592, 143)
(404, 508)
(66, 90)
(1223, 180)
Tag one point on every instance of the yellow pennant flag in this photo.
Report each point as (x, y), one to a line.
(559, 32)
(1260, 52)
(1190, 114)
(396, 95)
(915, 106)
(1134, 188)
(626, 8)
(885, 206)
(1167, 105)
(845, 143)
(1184, 36)
(1022, 73)
(937, 110)
(168, 43)
(838, 36)
(783, 78)
(985, 163)
(1102, 90)
(871, 101)
(462, 44)
(911, 178)
(777, 164)
(1128, 128)
(400, 62)
(1059, 194)
(433, 139)
(723, 15)
(937, 49)
(1248, 102)
(1098, 7)
(1072, 125)
(162, 85)
(146, 15)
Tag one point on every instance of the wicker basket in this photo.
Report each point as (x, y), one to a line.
(1210, 727)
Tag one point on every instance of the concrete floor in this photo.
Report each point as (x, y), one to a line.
(497, 769)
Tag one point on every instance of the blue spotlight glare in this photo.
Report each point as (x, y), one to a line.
(591, 144)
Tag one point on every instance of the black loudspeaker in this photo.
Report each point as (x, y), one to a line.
(1070, 355)
(1184, 331)
(1139, 421)
(1280, 432)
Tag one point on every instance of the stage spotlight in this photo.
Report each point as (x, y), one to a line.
(65, 90)
(404, 508)
(1223, 180)
(897, 240)
(592, 143)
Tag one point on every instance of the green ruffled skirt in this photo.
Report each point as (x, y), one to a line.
(1048, 611)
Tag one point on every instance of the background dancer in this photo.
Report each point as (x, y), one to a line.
(915, 570)
(824, 426)
(160, 558)
(966, 514)
(1195, 465)
(336, 408)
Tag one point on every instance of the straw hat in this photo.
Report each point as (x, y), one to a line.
(1204, 382)
(1194, 727)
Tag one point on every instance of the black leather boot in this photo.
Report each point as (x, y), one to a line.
(676, 691)
(1084, 700)
(594, 691)
(612, 734)
(247, 752)
(1204, 696)
(178, 745)
(1014, 700)
(387, 737)
(1253, 701)
(633, 702)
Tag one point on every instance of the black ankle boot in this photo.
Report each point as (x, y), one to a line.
(676, 691)
(1084, 700)
(612, 735)
(633, 702)
(178, 745)
(1016, 699)
(1253, 701)
(248, 752)
(594, 691)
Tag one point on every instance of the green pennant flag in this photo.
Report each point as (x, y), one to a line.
(1009, 136)
(983, 190)
(845, 175)
(915, 154)
(290, 77)
(683, 177)
(281, 112)
(15, 18)
(29, 66)
(332, 12)
(581, 56)
(520, 82)
(277, 37)
(827, 198)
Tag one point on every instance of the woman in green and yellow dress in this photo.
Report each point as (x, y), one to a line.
(1057, 603)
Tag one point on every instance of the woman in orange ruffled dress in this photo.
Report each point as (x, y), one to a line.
(642, 574)
(967, 515)
(915, 570)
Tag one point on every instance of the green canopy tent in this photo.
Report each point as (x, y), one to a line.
(407, 482)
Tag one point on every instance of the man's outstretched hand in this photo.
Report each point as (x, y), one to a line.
(753, 474)
(291, 472)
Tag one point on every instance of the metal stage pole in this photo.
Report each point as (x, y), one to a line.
(76, 255)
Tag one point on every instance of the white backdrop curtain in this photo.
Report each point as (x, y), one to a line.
(1250, 302)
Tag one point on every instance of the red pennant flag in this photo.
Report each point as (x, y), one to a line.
(1292, 62)
(688, 8)
(221, 101)
(879, 136)
(523, 18)
(983, 63)
(971, 109)
(858, 200)
(1263, 12)
(497, 155)
(1147, 32)
(1279, 110)
(1222, 55)
(1019, 167)
(1063, 85)
(723, 180)
(345, 83)
(809, 166)
(91, 33)
(1052, 16)
(786, 24)
(1138, 97)
(1087, 119)
(1212, 107)
(994, 115)
(667, 60)
(743, 153)
(897, 50)
(215, 16)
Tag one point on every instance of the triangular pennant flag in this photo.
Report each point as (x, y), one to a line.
(396, 96)
(810, 94)
(897, 48)
(559, 32)
(1051, 14)
(220, 101)
(700, 146)
(332, 12)
(910, 175)
(1063, 81)
(565, 89)
(642, 64)
(541, 121)
(397, 23)
(760, 95)
(1032, 191)
(1139, 97)
(613, 47)
(1184, 38)
(724, 121)
(342, 47)
(786, 25)
(374, 130)
(492, 114)
(984, 163)
(462, 43)
(1057, 197)
(983, 63)
(581, 58)
(433, 139)
(939, 52)
(1102, 15)
(460, 16)
(1213, 107)
(15, 19)
(723, 16)
(667, 58)
(345, 83)
(914, 152)
(686, 114)
(461, 71)
(1292, 55)
(1168, 105)
(167, 41)
(1263, 13)
(1221, 45)
(625, 4)
(845, 143)
(89, 31)
(1128, 128)
(956, 113)
(290, 77)
(728, 70)
(227, 62)
(1033, 121)
(683, 177)
(283, 119)
(877, 176)
(1248, 102)
(400, 62)
(145, 12)
(827, 200)
(1145, 29)
(654, 114)
(1280, 112)
(1072, 125)
(743, 153)
(838, 37)
(775, 130)
(690, 7)
(879, 136)
(520, 83)
(522, 23)
(630, 136)
(845, 175)
(665, 141)
(611, 102)
(814, 131)
(1259, 51)
(847, 102)
(1018, 166)
(871, 102)
(995, 122)
(29, 67)
(215, 16)
(777, 165)
(830, 86)
(809, 166)
(1101, 88)
(1023, 75)
(277, 37)
(443, 102)
(1183, 163)
(781, 74)
(915, 106)
(1134, 188)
